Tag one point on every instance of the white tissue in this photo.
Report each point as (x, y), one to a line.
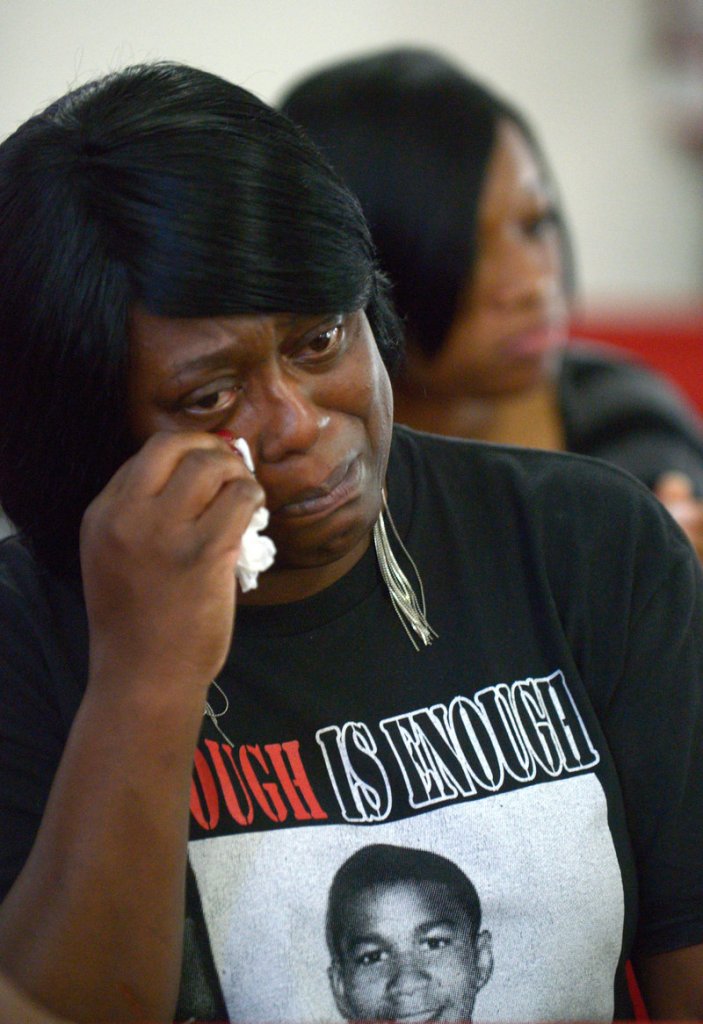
(244, 450)
(257, 552)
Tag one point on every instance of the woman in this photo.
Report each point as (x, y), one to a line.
(465, 214)
(182, 271)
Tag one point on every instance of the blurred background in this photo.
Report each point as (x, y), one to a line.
(615, 88)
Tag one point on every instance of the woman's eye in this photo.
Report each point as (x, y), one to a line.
(323, 344)
(536, 225)
(324, 340)
(207, 402)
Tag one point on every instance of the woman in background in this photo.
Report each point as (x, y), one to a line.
(465, 214)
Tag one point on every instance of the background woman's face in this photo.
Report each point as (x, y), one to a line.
(311, 396)
(512, 313)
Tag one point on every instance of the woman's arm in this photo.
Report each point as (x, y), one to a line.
(92, 927)
(672, 984)
(16, 1008)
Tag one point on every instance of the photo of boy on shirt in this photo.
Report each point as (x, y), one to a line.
(403, 930)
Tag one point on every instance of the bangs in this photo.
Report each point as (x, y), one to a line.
(249, 224)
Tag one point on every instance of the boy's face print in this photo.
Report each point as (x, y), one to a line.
(407, 954)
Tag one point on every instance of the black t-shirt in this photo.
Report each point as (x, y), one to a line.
(617, 409)
(548, 744)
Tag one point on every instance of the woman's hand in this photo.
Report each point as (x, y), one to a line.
(675, 491)
(159, 547)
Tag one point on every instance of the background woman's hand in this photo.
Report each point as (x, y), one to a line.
(159, 547)
(675, 491)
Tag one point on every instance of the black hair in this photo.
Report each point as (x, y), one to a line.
(412, 135)
(383, 864)
(169, 187)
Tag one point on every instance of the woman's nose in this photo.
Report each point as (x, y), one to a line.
(282, 417)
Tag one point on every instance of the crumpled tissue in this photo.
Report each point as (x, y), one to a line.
(257, 552)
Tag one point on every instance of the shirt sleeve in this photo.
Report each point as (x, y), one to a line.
(630, 598)
(654, 725)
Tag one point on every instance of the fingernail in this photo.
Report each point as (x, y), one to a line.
(229, 437)
(239, 446)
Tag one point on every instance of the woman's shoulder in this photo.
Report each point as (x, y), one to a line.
(532, 468)
(558, 494)
(17, 563)
(597, 380)
(27, 585)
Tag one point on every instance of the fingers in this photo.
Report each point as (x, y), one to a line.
(222, 525)
(150, 470)
(675, 491)
(180, 495)
(673, 486)
(198, 478)
(185, 471)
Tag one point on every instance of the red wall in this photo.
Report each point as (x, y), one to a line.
(668, 340)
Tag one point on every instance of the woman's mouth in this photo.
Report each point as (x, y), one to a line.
(536, 342)
(341, 486)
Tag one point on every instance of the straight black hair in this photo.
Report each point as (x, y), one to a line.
(412, 136)
(169, 187)
(380, 864)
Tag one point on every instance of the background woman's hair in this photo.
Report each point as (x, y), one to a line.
(412, 135)
(166, 186)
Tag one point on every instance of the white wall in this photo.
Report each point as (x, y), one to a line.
(583, 70)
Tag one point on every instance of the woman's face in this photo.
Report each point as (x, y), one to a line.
(512, 313)
(309, 394)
